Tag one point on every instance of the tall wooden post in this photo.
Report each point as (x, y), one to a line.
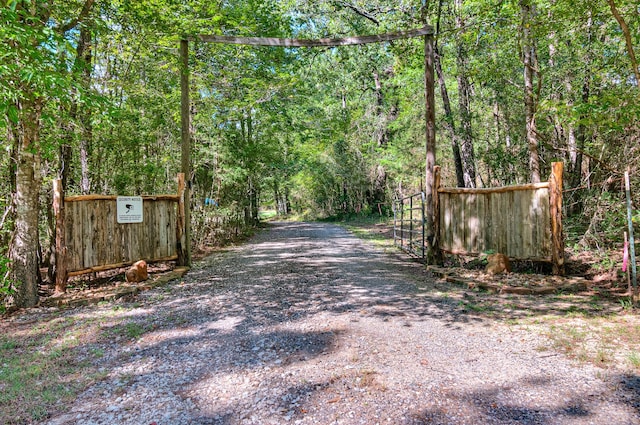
(436, 205)
(555, 204)
(184, 251)
(632, 245)
(433, 253)
(60, 271)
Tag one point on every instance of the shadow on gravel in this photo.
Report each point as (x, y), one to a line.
(488, 408)
(222, 321)
(631, 386)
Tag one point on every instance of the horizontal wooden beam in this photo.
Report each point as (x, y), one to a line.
(118, 266)
(323, 42)
(78, 198)
(503, 189)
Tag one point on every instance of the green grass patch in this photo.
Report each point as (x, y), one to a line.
(374, 228)
(41, 369)
(267, 215)
(129, 330)
(38, 374)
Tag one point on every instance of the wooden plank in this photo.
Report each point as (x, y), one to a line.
(482, 227)
(555, 206)
(171, 230)
(61, 245)
(323, 42)
(117, 266)
(436, 205)
(101, 246)
(503, 189)
(81, 198)
(181, 239)
(111, 236)
(153, 229)
(74, 234)
(91, 242)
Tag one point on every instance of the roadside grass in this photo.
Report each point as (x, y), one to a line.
(374, 229)
(612, 340)
(40, 371)
(44, 365)
(267, 215)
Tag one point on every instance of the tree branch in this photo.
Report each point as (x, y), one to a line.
(83, 14)
(358, 11)
(627, 38)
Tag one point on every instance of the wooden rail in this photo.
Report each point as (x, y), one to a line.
(323, 42)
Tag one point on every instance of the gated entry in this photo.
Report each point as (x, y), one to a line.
(409, 224)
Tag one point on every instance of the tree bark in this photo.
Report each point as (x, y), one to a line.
(23, 251)
(528, 59)
(464, 101)
(84, 60)
(433, 254)
(449, 124)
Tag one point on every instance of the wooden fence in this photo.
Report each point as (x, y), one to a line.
(90, 239)
(522, 222)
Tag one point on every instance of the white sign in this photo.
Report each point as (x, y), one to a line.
(129, 209)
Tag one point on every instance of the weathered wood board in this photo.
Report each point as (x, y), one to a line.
(514, 221)
(95, 239)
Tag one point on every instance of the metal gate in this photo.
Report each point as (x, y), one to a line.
(409, 224)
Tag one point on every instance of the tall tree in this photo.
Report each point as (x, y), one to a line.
(529, 61)
(464, 100)
(32, 77)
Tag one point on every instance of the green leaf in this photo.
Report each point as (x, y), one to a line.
(12, 114)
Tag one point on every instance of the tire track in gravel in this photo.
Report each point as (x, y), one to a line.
(306, 324)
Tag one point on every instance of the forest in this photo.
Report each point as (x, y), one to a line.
(90, 94)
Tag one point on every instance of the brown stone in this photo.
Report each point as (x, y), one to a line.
(137, 272)
(498, 263)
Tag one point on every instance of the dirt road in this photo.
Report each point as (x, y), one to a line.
(306, 324)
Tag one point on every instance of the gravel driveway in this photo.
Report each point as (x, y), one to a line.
(306, 324)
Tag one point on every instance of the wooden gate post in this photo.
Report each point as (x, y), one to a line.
(555, 206)
(181, 236)
(433, 252)
(436, 208)
(632, 245)
(185, 112)
(60, 269)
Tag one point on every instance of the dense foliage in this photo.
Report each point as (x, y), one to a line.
(89, 91)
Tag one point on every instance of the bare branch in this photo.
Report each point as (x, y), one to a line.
(83, 14)
(358, 11)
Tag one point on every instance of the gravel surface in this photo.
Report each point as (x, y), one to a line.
(306, 324)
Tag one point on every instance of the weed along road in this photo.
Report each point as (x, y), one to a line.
(307, 324)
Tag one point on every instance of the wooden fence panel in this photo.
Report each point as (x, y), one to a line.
(513, 220)
(95, 239)
(523, 222)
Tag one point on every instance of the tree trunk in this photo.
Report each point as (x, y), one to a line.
(628, 40)
(528, 59)
(464, 101)
(449, 124)
(23, 251)
(84, 60)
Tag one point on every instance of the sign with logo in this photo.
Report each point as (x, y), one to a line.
(129, 209)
